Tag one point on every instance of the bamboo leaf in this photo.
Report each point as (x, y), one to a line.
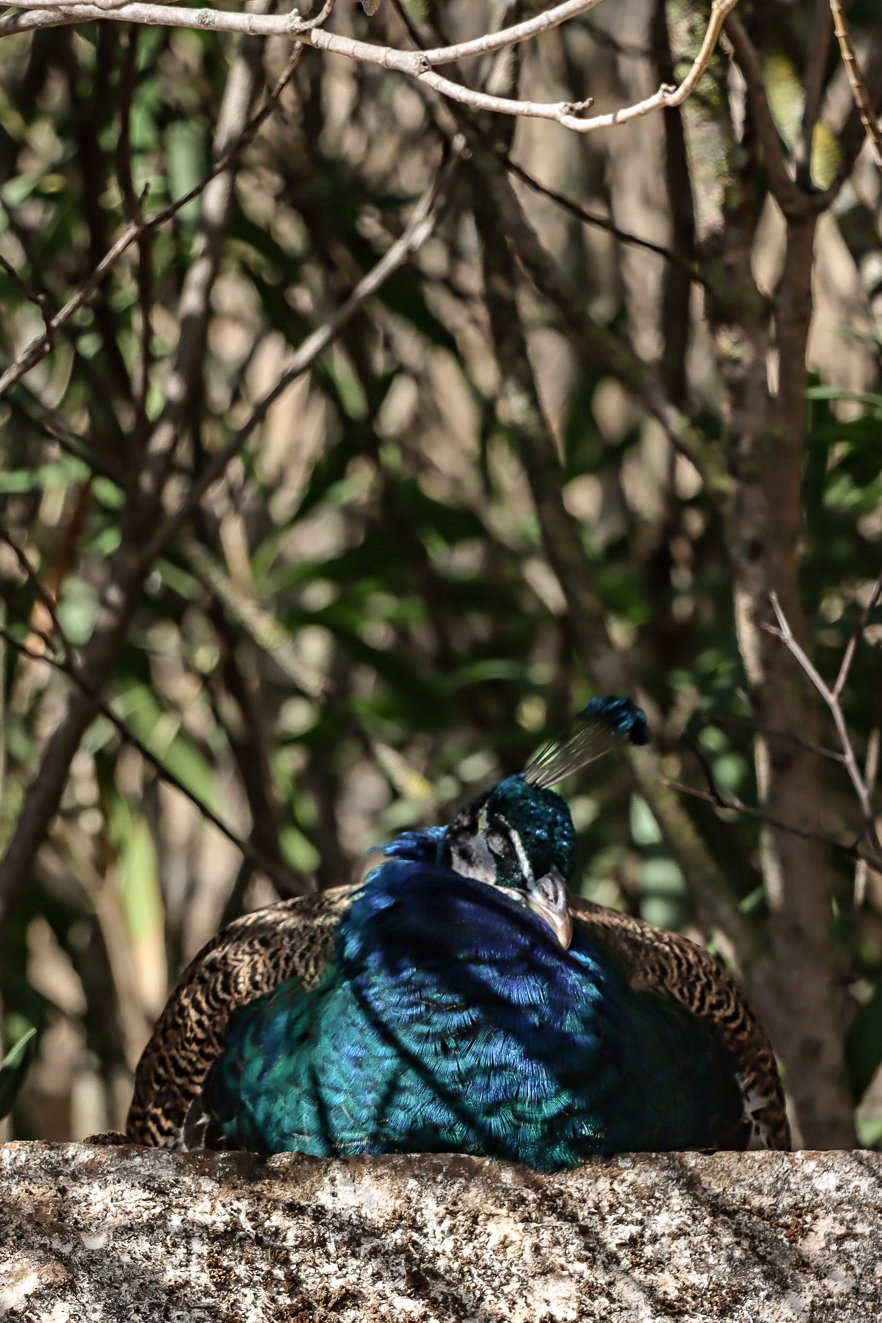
(863, 1045)
(13, 1069)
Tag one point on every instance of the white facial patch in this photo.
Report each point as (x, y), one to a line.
(518, 846)
(472, 858)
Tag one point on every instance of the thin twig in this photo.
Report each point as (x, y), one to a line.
(39, 300)
(850, 134)
(44, 344)
(322, 16)
(776, 734)
(860, 627)
(580, 213)
(71, 444)
(259, 624)
(80, 364)
(871, 771)
(735, 805)
(293, 24)
(49, 653)
(832, 699)
(43, 594)
(856, 80)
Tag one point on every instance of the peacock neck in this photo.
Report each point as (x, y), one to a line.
(425, 925)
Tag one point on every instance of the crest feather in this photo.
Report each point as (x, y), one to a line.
(601, 726)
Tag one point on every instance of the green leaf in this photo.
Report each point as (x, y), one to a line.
(664, 901)
(644, 827)
(56, 476)
(863, 1045)
(161, 732)
(869, 398)
(187, 163)
(869, 1131)
(140, 893)
(13, 1069)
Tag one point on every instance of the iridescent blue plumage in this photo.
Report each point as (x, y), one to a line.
(461, 1001)
(452, 1020)
(622, 715)
(422, 845)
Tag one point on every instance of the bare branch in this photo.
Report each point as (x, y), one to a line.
(44, 344)
(832, 699)
(419, 65)
(850, 132)
(293, 24)
(776, 734)
(714, 796)
(44, 596)
(259, 624)
(858, 86)
(788, 196)
(848, 656)
(590, 218)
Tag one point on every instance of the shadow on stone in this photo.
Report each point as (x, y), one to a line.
(126, 1233)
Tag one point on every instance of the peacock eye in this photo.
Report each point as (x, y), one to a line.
(497, 843)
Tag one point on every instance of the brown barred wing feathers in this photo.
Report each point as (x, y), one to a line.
(656, 961)
(247, 960)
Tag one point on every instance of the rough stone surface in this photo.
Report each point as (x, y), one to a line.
(92, 1233)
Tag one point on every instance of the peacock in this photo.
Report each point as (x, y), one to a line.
(460, 1000)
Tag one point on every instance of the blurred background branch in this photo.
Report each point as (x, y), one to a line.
(862, 100)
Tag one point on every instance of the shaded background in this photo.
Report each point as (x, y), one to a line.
(468, 518)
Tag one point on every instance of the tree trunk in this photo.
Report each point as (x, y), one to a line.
(766, 440)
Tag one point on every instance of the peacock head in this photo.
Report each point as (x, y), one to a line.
(519, 834)
(519, 837)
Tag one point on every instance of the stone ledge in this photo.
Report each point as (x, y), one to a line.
(110, 1234)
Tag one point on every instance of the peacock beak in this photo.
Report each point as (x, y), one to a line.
(547, 897)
